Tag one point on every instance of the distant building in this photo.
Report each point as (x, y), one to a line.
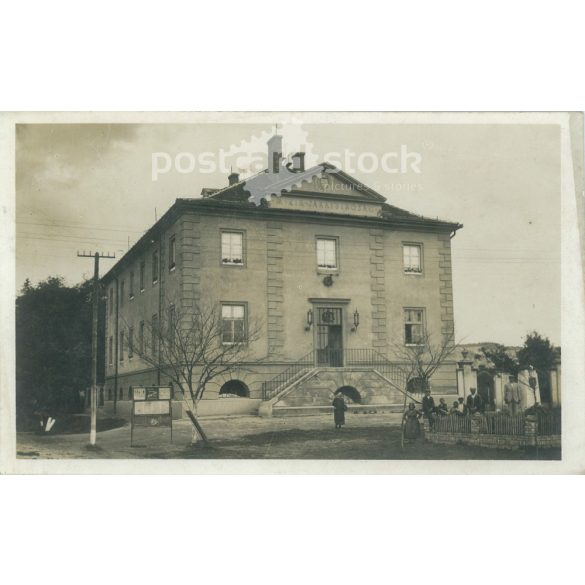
(475, 370)
(335, 274)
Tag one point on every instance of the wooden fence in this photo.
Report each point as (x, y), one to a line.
(549, 422)
(453, 423)
(496, 423)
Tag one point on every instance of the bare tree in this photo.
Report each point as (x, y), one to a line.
(419, 361)
(193, 347)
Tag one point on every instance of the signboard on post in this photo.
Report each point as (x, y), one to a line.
(151, 407)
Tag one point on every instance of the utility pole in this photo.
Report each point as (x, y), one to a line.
(94, 338)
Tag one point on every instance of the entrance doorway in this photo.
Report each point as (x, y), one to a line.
(351, 394)
(329, 329)
(485, 388)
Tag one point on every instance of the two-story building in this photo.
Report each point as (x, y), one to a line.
(336, 277)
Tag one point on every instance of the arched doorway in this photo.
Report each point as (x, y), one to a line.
(485, 388)
(234, 389)
(350, 393)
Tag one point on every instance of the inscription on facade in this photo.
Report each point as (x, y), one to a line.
(341, 207)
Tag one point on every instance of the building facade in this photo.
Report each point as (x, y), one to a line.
(333, 275)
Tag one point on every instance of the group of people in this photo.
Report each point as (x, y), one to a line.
(431, 411)
(474, 404)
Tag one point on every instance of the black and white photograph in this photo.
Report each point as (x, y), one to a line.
(291, 287)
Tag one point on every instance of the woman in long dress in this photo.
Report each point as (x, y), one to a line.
(339, 408)
(411, 424)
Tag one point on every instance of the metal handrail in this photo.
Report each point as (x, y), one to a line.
(337, 358)
(272, 386)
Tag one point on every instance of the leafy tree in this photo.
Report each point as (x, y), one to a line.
(540, 353)
(53, 345)
(502, 361)
(537, 351)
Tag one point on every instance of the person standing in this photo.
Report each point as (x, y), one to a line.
(512, 396)
(410, 421)
(428, 406)
(339, 408)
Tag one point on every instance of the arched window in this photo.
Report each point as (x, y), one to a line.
(234, 389)
(109, 394)
(417, 385)
(352, 395)
(130, 393)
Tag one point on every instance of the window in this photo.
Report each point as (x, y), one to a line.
(153, 334)
(122, 294)
(111, 350)
(412, 258)
(121, 393)
(172, 252)
(154, 267)
(130, 343)
(141, 337)
(131, 291)
(233, 318)
(142, 271)
(121, 346)
(327, 253)
(413, 326)
(232, 248)
(111, 300)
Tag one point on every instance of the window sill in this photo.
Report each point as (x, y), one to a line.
(234, 264)
(414, 344)
(412, 273)
(332, 271)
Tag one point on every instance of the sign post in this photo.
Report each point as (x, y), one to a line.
(151, 407)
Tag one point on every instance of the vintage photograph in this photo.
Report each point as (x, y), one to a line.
(289, 287)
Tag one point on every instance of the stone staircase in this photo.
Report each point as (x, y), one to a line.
(311, 392)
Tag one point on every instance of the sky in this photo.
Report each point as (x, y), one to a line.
(92, 187)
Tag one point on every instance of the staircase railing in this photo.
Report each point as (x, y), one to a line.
(370, 358)
(337, 358)
(273, 386)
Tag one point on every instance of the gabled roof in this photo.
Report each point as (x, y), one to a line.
(269, 184)
(275, 185)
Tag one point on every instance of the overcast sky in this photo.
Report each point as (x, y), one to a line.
(91, 187)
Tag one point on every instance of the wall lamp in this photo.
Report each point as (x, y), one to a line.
(356, 320)
(309, 320)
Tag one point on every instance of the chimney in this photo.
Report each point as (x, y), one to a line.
(233, 178)
(298, 162)
(274, 153)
